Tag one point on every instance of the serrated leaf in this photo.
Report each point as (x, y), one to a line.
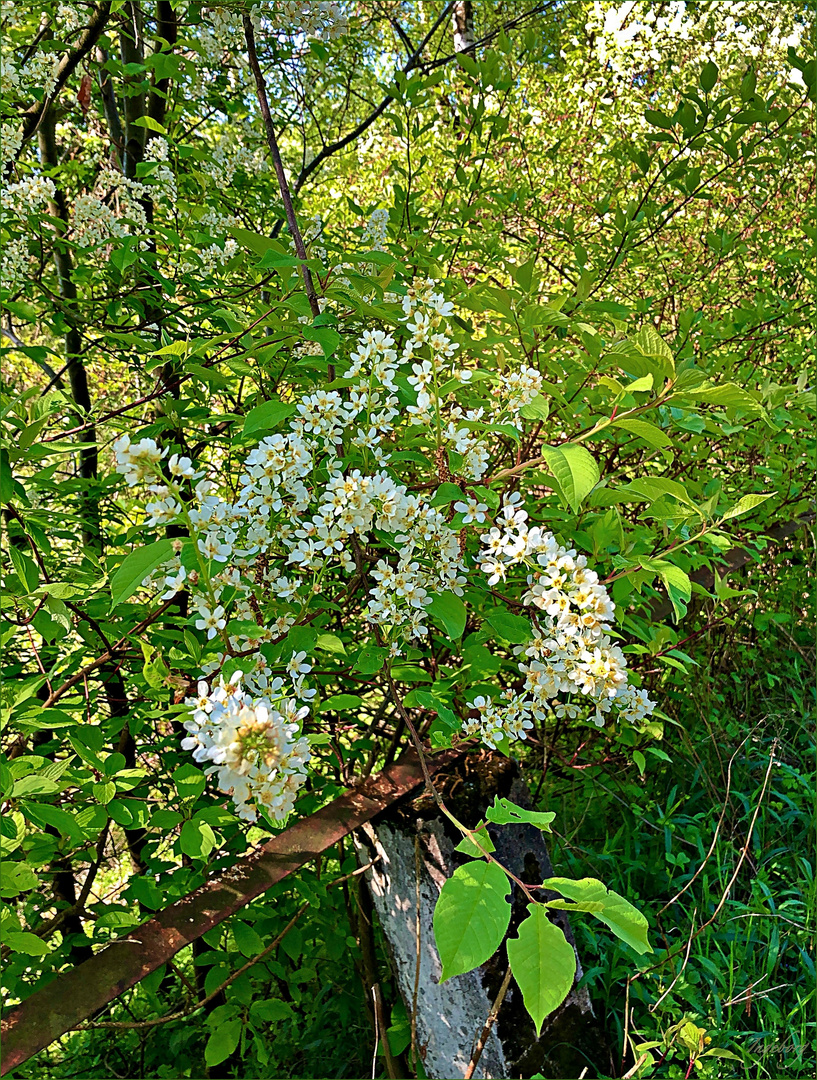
(745, 504)
(450, 611)
(504, 812)
(222, 1042)
(267, 416)
(575, 470)
(513, 628)
(135, 567)
(543, 964)
(626, 921)
(468, 847)
(471, 917)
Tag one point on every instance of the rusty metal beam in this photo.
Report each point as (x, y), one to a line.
(73, 997)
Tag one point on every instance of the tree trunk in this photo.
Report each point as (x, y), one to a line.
(449, 1019)
(462, 23)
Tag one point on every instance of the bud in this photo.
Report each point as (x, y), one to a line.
(193, 577)
(177, 546)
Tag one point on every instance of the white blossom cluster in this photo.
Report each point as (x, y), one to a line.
(11, 139)
(116, 209)
(27, 196)
(15, 264)
(570, 652)
(252, 743)
(374, 235)
(303, 519)
(323, 19)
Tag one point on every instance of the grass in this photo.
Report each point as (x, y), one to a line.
(747, 978)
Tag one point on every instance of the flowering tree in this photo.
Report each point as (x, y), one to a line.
(365, 394)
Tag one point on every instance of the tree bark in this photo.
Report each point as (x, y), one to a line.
(450, 1019)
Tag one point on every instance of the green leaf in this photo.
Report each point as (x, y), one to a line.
(513, 628)
(330, 643)
(222, 1042)
(471, 917)
(325, 336)
(270, 1012)
(26, 568)
(104, 792)
(708, 76)
(135, 568)
(44, 814)
(370, 659)
(446, 493)
(626, 922)
(467, 846)
(651, 488)
(504, 812)
(675, 581)
(189, 781)
(652, 435)
(727, 394)
(658, 119)
(745, 504)
(575, 470)
(543, 964)
(450, 611)
(341, 703)
(248, 940)
(260, 245)
(22, 941)
(197, 839)
(266, 416)
(149, 123)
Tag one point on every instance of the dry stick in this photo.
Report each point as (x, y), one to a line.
(289, 209)
(417, 928)
(744, 851)
(489, 1023)
(679, 894)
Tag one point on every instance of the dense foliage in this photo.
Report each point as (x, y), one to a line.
(369, 384)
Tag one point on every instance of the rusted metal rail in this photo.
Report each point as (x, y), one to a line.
(68, 1000)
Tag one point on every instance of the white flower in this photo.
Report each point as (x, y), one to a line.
(211, 621)
(473, 510)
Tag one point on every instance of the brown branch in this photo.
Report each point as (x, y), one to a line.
(292, 221)
(93, 32)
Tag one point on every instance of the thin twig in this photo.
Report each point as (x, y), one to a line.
(489, 1023)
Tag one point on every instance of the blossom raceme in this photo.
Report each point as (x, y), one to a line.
(252, 743)
(321, 501)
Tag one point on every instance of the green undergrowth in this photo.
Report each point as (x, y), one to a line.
(713, 845)
(734, 943)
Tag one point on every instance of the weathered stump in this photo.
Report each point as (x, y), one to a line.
(450, 1018)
